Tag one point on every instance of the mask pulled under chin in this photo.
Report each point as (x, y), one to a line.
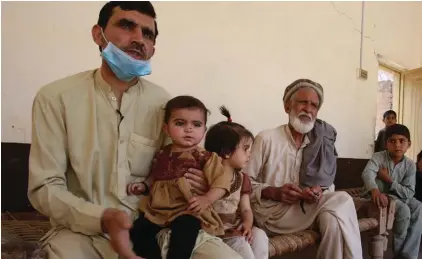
(123, 65)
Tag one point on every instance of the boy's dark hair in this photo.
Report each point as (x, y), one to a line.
(419, 157)
(398, 129)
(184, 102)
(143, 7)
(389, 112)
(224, 137)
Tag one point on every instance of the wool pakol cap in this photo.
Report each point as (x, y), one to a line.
(301, 83)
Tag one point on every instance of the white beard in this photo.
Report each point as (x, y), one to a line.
(300, 126)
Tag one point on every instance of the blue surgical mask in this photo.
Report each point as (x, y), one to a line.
(124, 66)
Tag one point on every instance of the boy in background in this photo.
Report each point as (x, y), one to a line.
(389, 118)
(390, 174)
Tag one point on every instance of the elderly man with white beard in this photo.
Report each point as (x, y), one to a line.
(294, 165)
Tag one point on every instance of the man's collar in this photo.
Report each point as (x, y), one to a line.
(289, 133)
(390, 159)
(99, 80)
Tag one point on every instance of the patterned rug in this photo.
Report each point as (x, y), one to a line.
(20, 233)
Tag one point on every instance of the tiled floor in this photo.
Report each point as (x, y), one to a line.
(311, 252)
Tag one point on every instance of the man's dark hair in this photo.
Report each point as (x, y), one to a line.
(143, 7)
(397, 129)
(224, 137)
(389, 112)
(184, 102)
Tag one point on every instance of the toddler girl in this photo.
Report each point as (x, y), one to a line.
(232, 142)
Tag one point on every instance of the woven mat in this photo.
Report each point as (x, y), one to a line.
(23, 230)
(22, 250)
(20, 234)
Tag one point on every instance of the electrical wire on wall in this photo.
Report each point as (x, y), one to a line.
(361, 31)
(361, 34)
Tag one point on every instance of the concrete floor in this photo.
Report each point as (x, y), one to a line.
(310, 253)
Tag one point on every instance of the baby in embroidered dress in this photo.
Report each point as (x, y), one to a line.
(170, 202)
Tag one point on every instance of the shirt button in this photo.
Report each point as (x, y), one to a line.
(113, 98)
(122, 141)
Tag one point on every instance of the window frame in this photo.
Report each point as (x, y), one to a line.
(397, 91)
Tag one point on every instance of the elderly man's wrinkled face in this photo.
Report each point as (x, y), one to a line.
(303, 109)
(130, 31)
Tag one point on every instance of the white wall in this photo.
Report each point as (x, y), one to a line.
(241, 54)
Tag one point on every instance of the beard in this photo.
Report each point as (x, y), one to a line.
(300, 126)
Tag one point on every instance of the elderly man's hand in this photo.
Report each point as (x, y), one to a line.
(116, 224)
(197, 180)
(312, 195)
(290, 193)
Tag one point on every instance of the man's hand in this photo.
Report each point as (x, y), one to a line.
(384, 175)
(246, 228)
(317, 191)
(199, 204)
(312, 195)
(290, 194)
(379, 199)
(116, 224)
(197, 180)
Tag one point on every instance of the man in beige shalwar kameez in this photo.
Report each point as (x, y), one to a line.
(92, 134)
(274, 169)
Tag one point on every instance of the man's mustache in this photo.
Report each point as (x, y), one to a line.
(305, 114)
(136, 47)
